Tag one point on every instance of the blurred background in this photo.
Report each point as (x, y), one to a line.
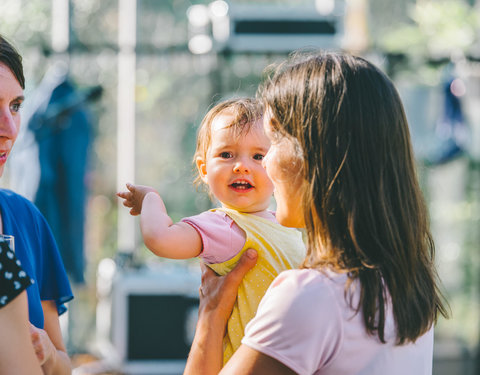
(115, 92)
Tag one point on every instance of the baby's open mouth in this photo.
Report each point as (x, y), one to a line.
(241, 185)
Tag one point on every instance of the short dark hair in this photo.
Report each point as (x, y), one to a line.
(12, 59)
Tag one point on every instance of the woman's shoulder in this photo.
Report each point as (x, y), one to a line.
(18, 209)
(10, 194)
(309, 286)
(302, 295)
(17, 201)
(299, 321)
(311, 277)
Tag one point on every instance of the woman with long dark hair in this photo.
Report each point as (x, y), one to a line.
(366, 297)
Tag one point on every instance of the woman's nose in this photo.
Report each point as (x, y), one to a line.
(8, 127)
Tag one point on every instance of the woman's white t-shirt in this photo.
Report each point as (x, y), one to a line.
(305, 322)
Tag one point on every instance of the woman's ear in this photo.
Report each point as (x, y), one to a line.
(202, 168)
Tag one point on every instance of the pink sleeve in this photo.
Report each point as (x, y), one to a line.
(222, 239)
(297, 323)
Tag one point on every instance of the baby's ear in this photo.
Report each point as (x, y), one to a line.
(202, 168)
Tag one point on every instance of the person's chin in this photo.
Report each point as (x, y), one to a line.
(240, 208)
(289, 221)
(283, 219)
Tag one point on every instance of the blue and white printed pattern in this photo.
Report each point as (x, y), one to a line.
(13, 279)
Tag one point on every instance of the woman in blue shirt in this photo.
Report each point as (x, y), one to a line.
(35, 246)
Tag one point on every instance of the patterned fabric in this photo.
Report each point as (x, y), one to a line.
(13, 279)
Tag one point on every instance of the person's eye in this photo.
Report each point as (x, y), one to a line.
(226, 155)
(258, 156)
(15, 107)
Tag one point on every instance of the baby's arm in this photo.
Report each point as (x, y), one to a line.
(160, 234)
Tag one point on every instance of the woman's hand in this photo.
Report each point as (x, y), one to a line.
(43, 346)
(217, 297)
(218, 293)
(134, 197)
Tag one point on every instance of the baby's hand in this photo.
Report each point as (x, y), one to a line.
(44, 348)
(134, 197)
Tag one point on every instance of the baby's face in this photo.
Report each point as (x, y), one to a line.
(233, 167)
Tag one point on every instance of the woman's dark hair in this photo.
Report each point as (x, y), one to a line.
(364, 211)
(12, 59)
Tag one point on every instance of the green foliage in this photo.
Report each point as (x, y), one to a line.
(27, 22)
(439, 31)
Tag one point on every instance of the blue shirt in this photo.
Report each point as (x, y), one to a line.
(35, 247)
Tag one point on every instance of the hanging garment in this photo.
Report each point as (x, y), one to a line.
(62, 131)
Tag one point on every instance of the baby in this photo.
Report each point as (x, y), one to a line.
(231, 145)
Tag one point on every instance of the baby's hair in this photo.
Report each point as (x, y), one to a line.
(244, 112)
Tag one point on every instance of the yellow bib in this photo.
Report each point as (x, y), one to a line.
(279, 248)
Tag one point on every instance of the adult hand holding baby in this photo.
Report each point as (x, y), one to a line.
(217, 298)
(218, 293)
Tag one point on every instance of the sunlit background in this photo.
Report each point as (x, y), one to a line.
(162, 63)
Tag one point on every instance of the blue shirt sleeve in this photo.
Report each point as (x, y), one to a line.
(36, 248)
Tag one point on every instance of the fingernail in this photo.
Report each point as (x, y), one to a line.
(252, 254)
